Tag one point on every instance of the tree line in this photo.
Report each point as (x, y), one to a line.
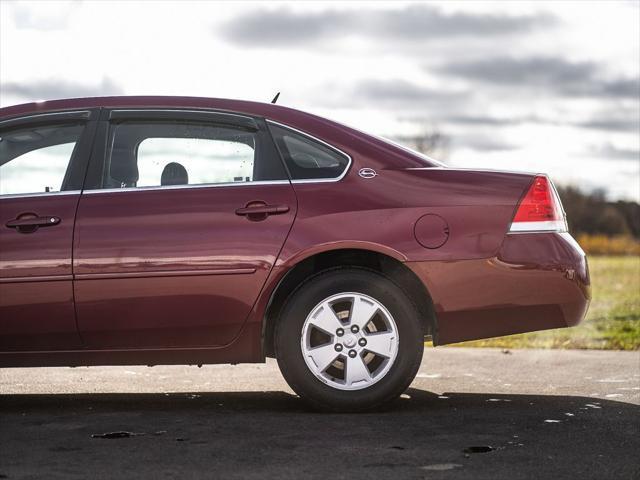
(588, 213)
(591, 213)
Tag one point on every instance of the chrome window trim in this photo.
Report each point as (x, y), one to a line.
(184, 187)
(7, 196)
(45, 114)
(336, 149)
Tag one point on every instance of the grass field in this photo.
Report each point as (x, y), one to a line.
(613, 320)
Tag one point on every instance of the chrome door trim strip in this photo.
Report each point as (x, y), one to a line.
(184, 187)
(9, 196)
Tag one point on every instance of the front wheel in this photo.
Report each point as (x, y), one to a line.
(349, 339)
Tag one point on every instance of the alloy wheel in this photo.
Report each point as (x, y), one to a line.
(349, 341)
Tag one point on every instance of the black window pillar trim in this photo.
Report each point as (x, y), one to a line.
(93, 177)
(79, 164)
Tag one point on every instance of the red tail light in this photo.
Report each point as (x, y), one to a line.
(540, 209)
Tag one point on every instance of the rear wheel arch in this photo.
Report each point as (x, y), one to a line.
(378, 262)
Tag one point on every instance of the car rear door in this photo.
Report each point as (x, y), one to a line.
(43, 159)
(183, 216)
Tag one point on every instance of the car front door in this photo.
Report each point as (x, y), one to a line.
(43, 159)
(183, 216)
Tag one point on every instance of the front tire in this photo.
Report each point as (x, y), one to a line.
(349, 339)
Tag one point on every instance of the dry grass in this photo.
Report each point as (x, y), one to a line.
(603, 245)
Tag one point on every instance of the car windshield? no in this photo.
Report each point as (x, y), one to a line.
(307, 158)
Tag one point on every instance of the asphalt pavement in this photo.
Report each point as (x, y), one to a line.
(470, 413)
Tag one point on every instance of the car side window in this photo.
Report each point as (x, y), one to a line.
(35, 159)
(307, 158)
(160, 153)
(204, 161)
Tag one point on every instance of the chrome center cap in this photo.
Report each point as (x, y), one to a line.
(350, 340)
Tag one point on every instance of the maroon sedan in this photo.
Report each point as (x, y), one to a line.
(168, 230)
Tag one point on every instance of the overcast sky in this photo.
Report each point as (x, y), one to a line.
(547, 86)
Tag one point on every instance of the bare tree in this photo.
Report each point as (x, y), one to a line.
(430, 141)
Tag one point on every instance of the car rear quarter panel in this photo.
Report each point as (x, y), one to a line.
(382, 211)
(484, 282)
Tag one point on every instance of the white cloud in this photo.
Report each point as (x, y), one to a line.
(53, 48)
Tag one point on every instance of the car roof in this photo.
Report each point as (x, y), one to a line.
(240, 106)
(343, 137)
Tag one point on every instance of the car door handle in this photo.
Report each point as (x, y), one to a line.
(263, 210)
(30, 223)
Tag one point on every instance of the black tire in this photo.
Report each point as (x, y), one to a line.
(318, 288)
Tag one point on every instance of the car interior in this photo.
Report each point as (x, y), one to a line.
(174, 173)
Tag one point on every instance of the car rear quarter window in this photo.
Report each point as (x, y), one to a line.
(35, 159)
(307, 158)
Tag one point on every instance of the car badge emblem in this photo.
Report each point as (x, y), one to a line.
(367, 173)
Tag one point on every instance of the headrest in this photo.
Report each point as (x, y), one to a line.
(174, 174)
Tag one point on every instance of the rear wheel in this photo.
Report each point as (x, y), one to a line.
(349, 339)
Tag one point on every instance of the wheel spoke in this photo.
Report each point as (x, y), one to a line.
(322, 356)
(356, 371)
(326, 320)
(381, 343)
(362, 311)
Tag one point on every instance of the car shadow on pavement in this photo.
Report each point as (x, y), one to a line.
(274, 434)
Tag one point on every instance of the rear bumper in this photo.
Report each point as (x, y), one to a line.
(537, 281)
